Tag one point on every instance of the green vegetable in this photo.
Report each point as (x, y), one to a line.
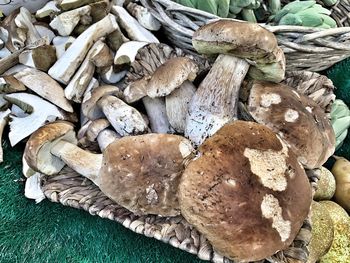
(216, 7)
(340, 119)
(304, 13)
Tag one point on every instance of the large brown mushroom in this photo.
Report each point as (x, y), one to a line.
(141, 173)
(246, 192)
(296, 118)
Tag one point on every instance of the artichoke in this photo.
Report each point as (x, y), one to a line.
(305, 13)
(340, 119)
(216, 7)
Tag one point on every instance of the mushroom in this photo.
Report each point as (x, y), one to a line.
(169, 76)
(9, 84)
(132, 27)
(215, 102)
(40, 111)
(62, 44)
(44, 31)
(32, 189)
(42, 57)
(127, 52)
(13, 36)
(3, 122)
(143, 16)
(25, 21)
(99, 55)
(110, 76)
(65, 22)
(43, 85)
(66, 66)
(296, 118)
(248, 182)
(49, 9)
(152, 162)
(72, 4)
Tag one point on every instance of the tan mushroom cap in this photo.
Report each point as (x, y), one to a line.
(240, 39)
(171, 75)
(89, 106)
(297, 119)
(142, 172)
(37, 151)
(246, 192)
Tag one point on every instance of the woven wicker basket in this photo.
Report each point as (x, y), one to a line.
(311, 49)
(71, 189)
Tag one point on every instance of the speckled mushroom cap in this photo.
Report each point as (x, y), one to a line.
(37, 151)
(240, 39)
(142, 172)
(246, 192)
(171, 75)
(296, 118)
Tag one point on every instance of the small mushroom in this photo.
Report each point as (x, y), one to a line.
(248, 182)
(65, 22)
(25, 21)
(127, 52)
(40, 111)
(125, 119)
(66, 66)
(215, 102)
(153, 162)
(42, 57)
(9, 84)
(49, 9)
(99, 55)
(106, 137)
(14, 37)
(297, 119)
(3, 122)
(132, 27)
(43, 85)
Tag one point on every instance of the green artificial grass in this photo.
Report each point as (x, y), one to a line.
(50, 232)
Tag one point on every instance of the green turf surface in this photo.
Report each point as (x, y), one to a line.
(50, 232)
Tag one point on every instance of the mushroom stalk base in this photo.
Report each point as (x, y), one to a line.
(216, 101)
(83, 162)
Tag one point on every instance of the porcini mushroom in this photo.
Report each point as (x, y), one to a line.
(66, 66)
(246, 192)
(25, 20)
(42, 57)
(215, 102)
(40, 111)
(296, 118)
(48, 9)
(46, 87)
(152, 162)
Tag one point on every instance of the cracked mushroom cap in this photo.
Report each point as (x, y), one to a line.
(239, 39)
(142, 172)
(296, 118)
(246, 192)
(171, 75)
(37, 152)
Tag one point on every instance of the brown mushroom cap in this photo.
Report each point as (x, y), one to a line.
(142, 172)
(297, 119)
(246, 192)
(171, 75)
(240, 39)
(37, 151)
(89, 106)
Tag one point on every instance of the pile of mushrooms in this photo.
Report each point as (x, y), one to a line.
(88, 85)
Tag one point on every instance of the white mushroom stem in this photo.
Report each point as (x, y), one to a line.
(49, 9)
(24, 20)
(77, 86)
(83, 162)
(66, 66)
(67, 21)
(156, 112)
(106, 137)
(3, 122)
(132, 27)
(40, 111)
(125, 119)
(46, 87)
(215, 102)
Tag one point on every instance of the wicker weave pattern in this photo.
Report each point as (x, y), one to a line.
(71, 189)
(311, 49)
